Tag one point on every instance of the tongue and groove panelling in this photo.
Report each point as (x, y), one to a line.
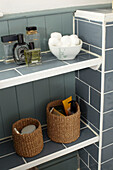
(3, 31)
(46, 24)
(25, 100)
(41, 27)
(31, 99)
(9, 109)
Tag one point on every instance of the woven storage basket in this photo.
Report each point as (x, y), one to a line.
(27, 145)
(63, 129)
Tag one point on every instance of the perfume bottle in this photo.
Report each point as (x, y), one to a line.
(8, 42)
(18, 50)
(32, 35)
(32, 56)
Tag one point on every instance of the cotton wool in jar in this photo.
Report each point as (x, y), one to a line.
(56, 35)
(54, 42)
(66, 41)
(74, 40)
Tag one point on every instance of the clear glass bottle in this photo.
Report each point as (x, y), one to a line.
(32, 35)
(32, 56)
(8, 43)
(19, 50)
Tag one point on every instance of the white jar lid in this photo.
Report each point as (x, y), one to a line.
(28, 129)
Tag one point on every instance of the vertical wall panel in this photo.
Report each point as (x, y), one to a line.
(53, 24)
(9, 109)
(56, 85)
(25, 100)
(67, 23)
(41, 96)
(69, 80)
(39, 22)
(1, 125)
(17, 26)
(3, 31)
(76, 22)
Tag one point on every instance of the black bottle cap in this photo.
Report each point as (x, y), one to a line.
(8, 38)
(31, 45)
(73, 106)
(34, 28)
(20, 38)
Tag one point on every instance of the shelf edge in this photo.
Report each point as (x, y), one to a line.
(48, 73)
(58, 154)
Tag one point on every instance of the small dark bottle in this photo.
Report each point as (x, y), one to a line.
(73, 108)
(18, 50)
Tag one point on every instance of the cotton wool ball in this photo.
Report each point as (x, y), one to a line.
(75, 41)
(66, 41)
(73, 36)
(56, 35)
(54, 42)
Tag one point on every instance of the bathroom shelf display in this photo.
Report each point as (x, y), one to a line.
(50, 151)
(12, 75)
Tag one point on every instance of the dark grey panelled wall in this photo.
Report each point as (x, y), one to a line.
(46, 21)
(30, 100)
(45, 24)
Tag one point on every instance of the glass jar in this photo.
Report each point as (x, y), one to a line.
(32, 56)
(33, 39)
(32, 35)
(8, 42)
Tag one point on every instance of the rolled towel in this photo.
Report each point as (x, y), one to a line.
(66, 41)
(56, 35)
(54, 42)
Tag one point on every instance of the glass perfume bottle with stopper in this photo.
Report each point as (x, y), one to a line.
(32, 56)
(32, 35)
(8, 43)
(19, 50)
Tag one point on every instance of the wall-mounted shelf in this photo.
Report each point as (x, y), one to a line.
(50, 151)
(12, 75)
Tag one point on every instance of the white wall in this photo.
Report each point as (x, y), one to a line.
(17, 6)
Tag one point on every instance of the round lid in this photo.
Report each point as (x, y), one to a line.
(28, 129)
(33, 28)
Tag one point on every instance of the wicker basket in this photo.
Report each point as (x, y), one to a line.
(63, 129)
(27, 145)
